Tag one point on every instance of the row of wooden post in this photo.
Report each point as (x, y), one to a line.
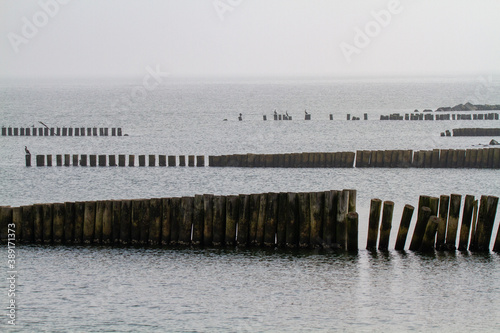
(437, 158)
(307, 220)
(437, 224)
(447, 116)
(476, 132)
(111, 160)
(58, 131)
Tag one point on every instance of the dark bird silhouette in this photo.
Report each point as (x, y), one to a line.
(27, 151)
(306, 111)
(43, 124)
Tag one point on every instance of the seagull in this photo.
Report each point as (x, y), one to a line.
(43, 124)
(27, 151)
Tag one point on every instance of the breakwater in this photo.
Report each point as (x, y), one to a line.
(431, 116)
(436, 158)
(326, 219)
(58, 131)
(476, 132)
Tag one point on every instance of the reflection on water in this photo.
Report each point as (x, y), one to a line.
(183, 289)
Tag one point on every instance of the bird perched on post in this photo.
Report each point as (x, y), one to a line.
(27, 151)
(43, 124)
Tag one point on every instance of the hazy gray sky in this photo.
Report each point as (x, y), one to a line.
(249, 37)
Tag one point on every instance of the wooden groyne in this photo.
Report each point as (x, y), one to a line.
(436, 158)
(476, 132)
(326, 219)
(121, 160)
(439, 116)
(61, 131)
(306, 220)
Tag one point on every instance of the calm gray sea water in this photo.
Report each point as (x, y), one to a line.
(103, 289)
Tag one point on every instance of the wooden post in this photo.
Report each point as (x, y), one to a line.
(89, 222)
(28, 160)
(27, 224)
(166, 220)
(191, 160)
(125, 222)
(69, 222)
(200, 161)
(292, 221)
(317, 202)
(145, 222)
(171, 161)
(112, 160)
(282, 219)
(40, 160)
(135, 222)
(93, 160)
(466, 223)
(116, 234)
(254, 218)
(208, 215)
(486, 220)
(102, 160)
(107, 222)
(271, 220)
(121, 160)
(198, 218)
(175, 218)
(47, 223)
(423, 217)
(219, 220)
(404, 226)
(304, 219)
(429, 235)
(59, 160)
(386, 225)
(342, 210)
(162, 160)
(79, 218)
(352, 231)
(373, 224)
(5, 220)
(131, 160)
(259, 235)
(99, 216)
(58, 222)
(142, 160)
(37, 222)
(496, 246)
(182, 160)
(67, 160)
(232, 210)
(451, 234)
(473, 239)
(152, 160)
(444, 203)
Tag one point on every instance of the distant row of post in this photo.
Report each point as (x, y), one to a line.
(447, 116)
(64, 131)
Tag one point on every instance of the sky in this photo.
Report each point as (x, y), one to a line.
(248, 38)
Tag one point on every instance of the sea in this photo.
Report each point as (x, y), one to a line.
(144, 289)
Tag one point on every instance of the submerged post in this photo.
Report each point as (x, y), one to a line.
(404, 226)
(373, 224)
(386, 225)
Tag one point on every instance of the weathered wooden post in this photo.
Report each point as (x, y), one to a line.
(316, 208)
(281, 216)
(166, 220)
(98, 226)
(152, 160)
(342, 210)
(47, 223)
(5, 220)
(423, 217)
(58, 222)
(373, 224)
(67, 160)
(145, 222)
(429, 235)
(191, 160)
(27, 224)
(125, 221)
(386, 225)
(232, 210)
(292, 221)
(37, 222)
(40, 160)
(116, 233)
(28, 160)
(496, 246)
(59, 160)
(69, 222)
(121, 160)
(404, 226)
(182, 160)
(451, 234)
(486, 220)
(254, 218)
(304, 219)
(219, 220)
(444, 203)
(131, 160)
(142, 160)
(175, 218)
(200, 161)
(261, 221)
(135, 221)
(466, 223)
(162, 160)
(89, 222)
(352, 231)
(107, 222)
(79, 220)
(112, 160)
(208, 215)
(102, 160)
(198, 219)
